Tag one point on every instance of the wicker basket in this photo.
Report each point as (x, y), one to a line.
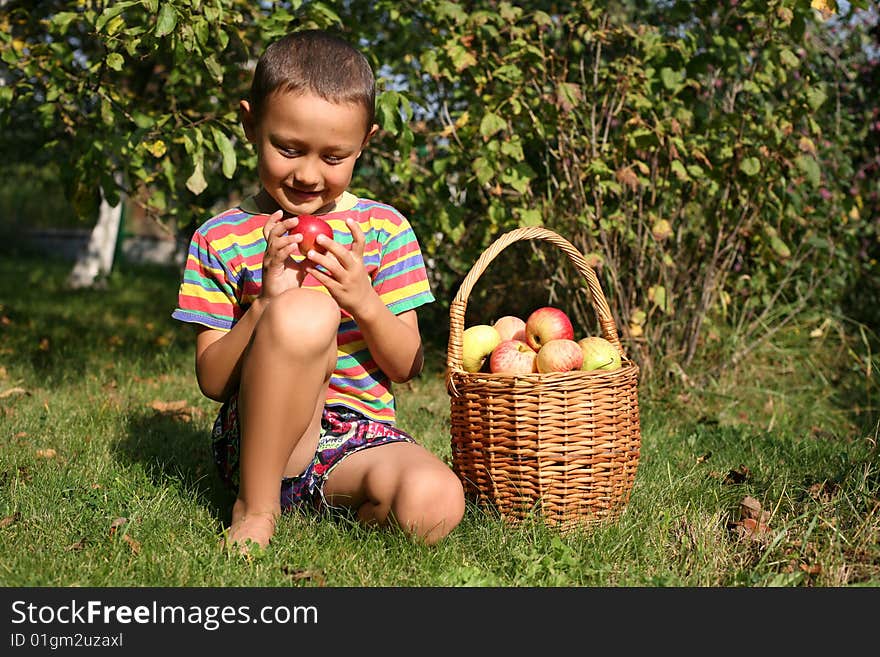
(563, 446)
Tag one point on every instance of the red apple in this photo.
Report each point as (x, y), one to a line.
(511, 327)
(546, 324)
(513, 357)
(561, 355)
(310, 227)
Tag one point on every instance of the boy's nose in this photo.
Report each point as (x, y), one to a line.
(307, 172)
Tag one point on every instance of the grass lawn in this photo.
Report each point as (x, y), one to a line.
(106, 476)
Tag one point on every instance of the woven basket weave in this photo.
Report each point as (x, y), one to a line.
(563, 446)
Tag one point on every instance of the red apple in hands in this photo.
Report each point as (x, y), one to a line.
(511, 327)
(512, 357)
(561, 355)
(310, 227)
(546, 324)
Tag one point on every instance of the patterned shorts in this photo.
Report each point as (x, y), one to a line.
(343, 432)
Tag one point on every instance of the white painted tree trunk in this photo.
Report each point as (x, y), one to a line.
(96, 260)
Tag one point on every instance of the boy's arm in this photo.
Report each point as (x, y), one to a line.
(218, 354)
(394, 341)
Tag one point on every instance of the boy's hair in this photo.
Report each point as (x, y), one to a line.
(317, 62)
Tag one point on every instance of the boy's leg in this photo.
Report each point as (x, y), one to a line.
(403, 483)
(284, 379)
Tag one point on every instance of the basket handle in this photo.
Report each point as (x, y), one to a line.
(459, 303)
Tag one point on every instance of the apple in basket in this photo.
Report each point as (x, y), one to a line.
(546, 324)
(560, 355)
(599, 354)
(310, 227)
(511, 327)
(513, 357)
(477, 342)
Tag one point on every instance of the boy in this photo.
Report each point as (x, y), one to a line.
(301, 349)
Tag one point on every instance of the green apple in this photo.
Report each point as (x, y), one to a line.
(599, 354)
(477, 342)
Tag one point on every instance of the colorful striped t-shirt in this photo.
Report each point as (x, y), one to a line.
(223, 276)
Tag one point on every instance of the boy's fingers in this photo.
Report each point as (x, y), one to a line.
(359, 239)
(271, 222)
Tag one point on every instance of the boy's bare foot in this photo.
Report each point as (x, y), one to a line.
(249, 530)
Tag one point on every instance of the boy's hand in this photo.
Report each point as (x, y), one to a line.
(280, 272)
(345, 276)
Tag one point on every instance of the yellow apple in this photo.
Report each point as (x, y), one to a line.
(599, 354)
(477, 342)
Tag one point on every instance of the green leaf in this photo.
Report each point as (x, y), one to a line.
(750, 166)
(657, 295)
(112, 11)
(227, 150)
(530, 217)
(671, 79)
(166, 21)
(196, 183)
(461, 58)
(115, 61)
(483, 170)
(679, 170)
(788, 58)
(568, 96)
(61, 20)
(491, 124)
(214, 68)
(779, 247)
(810, 168)
(816, 96)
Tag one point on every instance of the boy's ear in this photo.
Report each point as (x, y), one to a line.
(248, 121)
(373, 131)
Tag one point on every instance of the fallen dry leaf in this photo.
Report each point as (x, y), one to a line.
(811, 569)
(8, 520)
(13, 391)
(752, 521)
(824, 491)
(47, 453)
(178, 409)
(737, 475)
(117, 522)
(751, 528)
(304, 574)
(751, 508)
(133, 544)
(168, 407)
(75, 547)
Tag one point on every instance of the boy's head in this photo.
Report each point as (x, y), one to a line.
(310, 114)
(319, 63)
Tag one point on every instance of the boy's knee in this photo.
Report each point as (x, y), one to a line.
(301, 319)
(436, 501)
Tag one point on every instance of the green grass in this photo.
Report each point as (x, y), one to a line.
(100, 486)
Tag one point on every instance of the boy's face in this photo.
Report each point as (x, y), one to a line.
(307, 148)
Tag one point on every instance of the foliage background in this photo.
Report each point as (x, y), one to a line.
(716, 161)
